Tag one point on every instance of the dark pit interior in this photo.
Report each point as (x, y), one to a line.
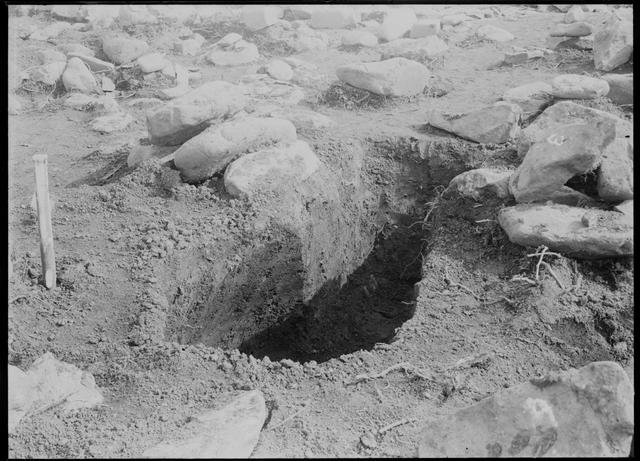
(377, 299)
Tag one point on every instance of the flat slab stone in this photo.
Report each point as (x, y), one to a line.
(78, 77)
(121, 50)
(574, 86)
(213, 149)
(494, 34)
(275, 169)
(230, 432)
(620, 88)
(188, 115)
(574, 231)
(531, 97)
(576, 29)
(49, 382)
(579, 413)
(569, 150)
(95, 64)
(491, 125)
(393, 77)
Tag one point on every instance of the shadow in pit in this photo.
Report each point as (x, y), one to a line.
(377, 299)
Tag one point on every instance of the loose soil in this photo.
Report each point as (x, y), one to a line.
(175, 296)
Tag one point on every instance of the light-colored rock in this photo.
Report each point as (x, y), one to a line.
(615, 177)
(562, 8)
(151, 62)
(574, 231)
(112, 122)
(139, 154)
(359, 38)
(188, 115)
(189, 46)
(76, 48)
(239, 53)
(586, 412)
(48, 73)
(333, 17)
(78, 77)
(175, 92)
(49, 383)
(279, 70)
(617, 151)
(261, 88)
(256, 17)
(620, 88)
(135, 14)
(50, 31)
(531, 97)
(94, 64)
(271, 170)
(121, 50)
(575, 29)
(521, 55)
(230, 432)
(574, 86)
(490, 125)
(176, 13)
(425, 28)
(476, 183)
(574, 14)
(454, 19)
(495, 34)
(299, 12)
(613, 44)
(569, 150)
(107, 84)
(568, 196)
(79, 101)
(393, 77)
(414, 48)
(48, 56)
(396, 23)
(212, 150)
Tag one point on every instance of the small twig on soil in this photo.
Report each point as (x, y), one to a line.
(304, 407)
(485, 220)
(396, 424)
(405, 366)
(521, 278)
(553, 274)
(467, 289)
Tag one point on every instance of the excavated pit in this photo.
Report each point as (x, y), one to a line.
(328, 273)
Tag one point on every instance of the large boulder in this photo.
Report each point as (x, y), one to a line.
(279, 70)
(574, 14)
(613, 44)
(586, 412)
(569, 150)
(48, 73)
(359, 38)
(188, 115)
(615, 177)
(575, 231)
(152, 62)
(121, 50)
(393, 77)
(333, 17)
(229, 432)
(428, 47)
(78, 77)
(531, 97)
(490, 125)
(574, 86)
(212, 150)
(620, 88)
(272, 170)
(396, 23)
(48, 383)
